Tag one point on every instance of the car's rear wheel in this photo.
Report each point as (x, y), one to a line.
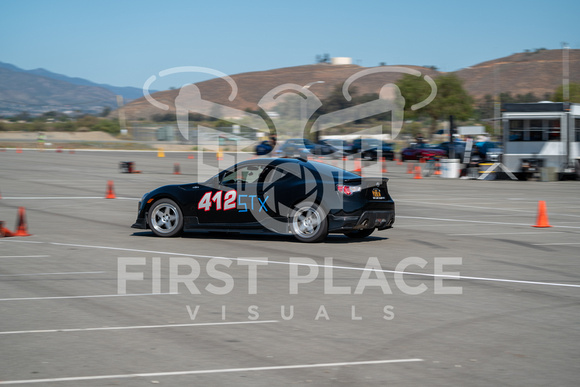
(309, 223)
(166, 218)
(359, 233)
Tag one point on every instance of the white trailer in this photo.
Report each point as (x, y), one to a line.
(541, 135)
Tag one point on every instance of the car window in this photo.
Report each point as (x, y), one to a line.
(272, 175)
(246, 174)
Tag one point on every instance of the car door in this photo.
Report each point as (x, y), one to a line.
(231, 198)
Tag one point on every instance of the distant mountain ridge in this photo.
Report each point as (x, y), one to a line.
(537, 72)
(39, 90)
(127, 92)
(24, 92)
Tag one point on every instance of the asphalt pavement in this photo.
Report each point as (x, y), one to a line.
(462, 291)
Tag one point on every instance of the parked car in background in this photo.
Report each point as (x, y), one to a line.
(263, 148)
(490, 151)
(303, 147)
(296, 147)
(422, 151)
(368, 148)
(458, 149)
(323, 148)
(341, 145)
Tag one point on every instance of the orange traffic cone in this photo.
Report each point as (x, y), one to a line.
(21, 226)
(176, 169)
(384, 165)
(398, 160)
(4, 232)
(190, 157)
(110, 190)
(418, 172)
(357, 166)
(542, 219)
(437, 168)
(422, 160)
(18, 150)
(409, 168)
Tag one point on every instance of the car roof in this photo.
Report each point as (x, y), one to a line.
(321, 167)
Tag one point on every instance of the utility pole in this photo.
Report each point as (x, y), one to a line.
(566, 72)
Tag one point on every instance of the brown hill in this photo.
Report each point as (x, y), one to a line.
(538, 72)
(529, 72)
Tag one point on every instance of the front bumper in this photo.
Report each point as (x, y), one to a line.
(140, 223)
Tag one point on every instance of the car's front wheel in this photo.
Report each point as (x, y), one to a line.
(309, 223)
(166, 218)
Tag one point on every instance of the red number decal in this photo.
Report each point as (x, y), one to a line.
(205, 202)
(217, 199)
(230, 200)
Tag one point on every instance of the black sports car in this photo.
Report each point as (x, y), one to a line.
(368, 148)
(286, 196)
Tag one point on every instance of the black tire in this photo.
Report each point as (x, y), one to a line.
(165, 218)
(359, 234)
(308, 222)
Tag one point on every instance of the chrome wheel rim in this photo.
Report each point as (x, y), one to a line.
(165, 218)
(306, 222)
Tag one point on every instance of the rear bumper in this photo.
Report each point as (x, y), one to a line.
(369, 219)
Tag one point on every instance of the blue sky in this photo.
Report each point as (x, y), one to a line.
(123, 43)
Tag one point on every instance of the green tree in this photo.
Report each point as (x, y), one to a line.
(109, 126)
(86, 121)
(485, 107)
(507, 98)
(451, 98)
(529, 97)
(22, 116)
(289, 107)
(167, 117)
(335, 101)
(106, 111)
(574, 93)
(414, 90)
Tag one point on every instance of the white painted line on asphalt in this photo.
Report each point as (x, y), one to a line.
(21, 241)
(212, 371)
(531, 211)
(62, 273)
(510, 233)
(62, 198)
(556, 244)
(24, 256)
(89, 296)
(49, 197)
(462, 205)
(460, 277)
(138, 327)
(475, 221)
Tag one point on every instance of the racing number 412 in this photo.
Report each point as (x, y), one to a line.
(229, 200)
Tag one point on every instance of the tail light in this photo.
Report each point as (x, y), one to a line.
(347, 189)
